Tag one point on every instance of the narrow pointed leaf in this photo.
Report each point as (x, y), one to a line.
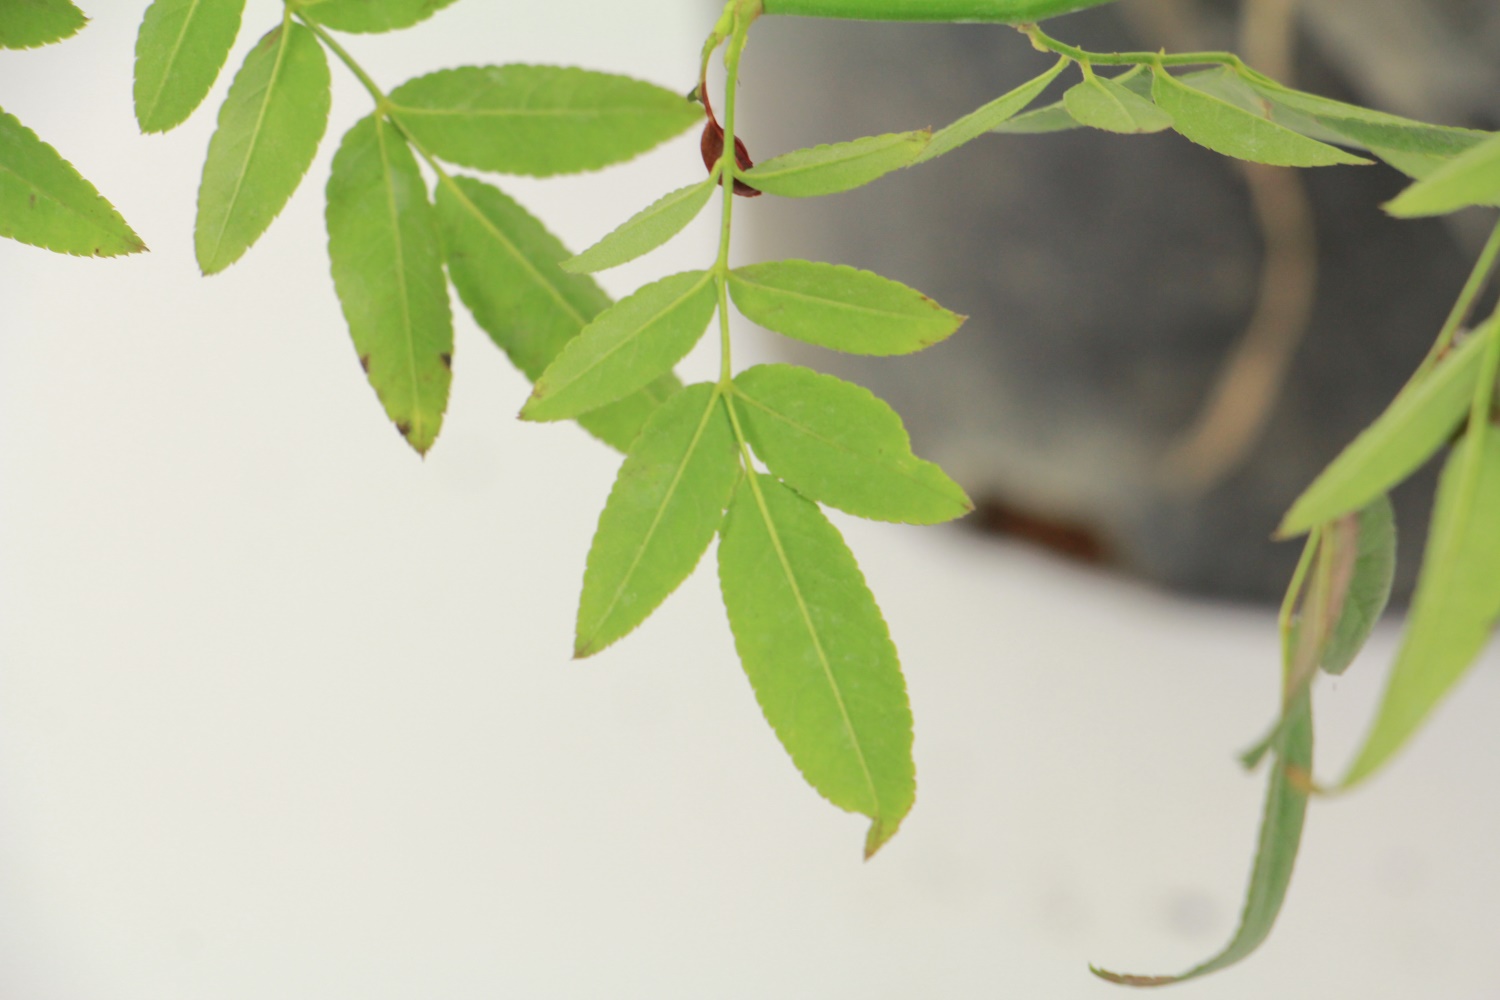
(373, 15)
(25, 24)
(1224, 128)
(644, 231)
(269, 129)
(989, 117)
(836, 443)
(179, 51)
(818, 653)
(1411, 429)
(1457, 603)
(1103, 104)
(1054, 117)
(666, 505)
(503, 262)
(388, 272)
(538, 120)
(1471, 178)
(840, 307)
(1364, 587)
(45, 202)
(1372, 128)
(626, 347)
(808, 173)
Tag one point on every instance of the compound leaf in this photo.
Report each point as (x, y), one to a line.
(818, 653)
(645, 230)
(538, 120)
(269, 128)
(503, 262)
(625, 347)
(366, 16)
(1471, 178)
(45, 202)
(836, 443)
(808, 173)
(840, 307)
(1411, 429)
(1104, 104)
(179, 51)
(665, 507)
(25, 24)
(388, 272)
(989, 117)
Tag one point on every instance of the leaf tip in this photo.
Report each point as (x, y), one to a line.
(879, 835)
(1120, 979)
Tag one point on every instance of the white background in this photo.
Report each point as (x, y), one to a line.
(287, 712)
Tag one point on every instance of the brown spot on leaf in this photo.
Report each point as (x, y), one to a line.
(447, 360)
(404, 426)
(364, 362)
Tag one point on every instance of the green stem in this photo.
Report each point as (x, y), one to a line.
(727, 169)
(1462, 306)
(1044, 42)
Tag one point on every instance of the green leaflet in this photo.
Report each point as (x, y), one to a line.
(1225, 128)
(818, 653)
(25, 24)
(991, 11)
(388, 272)
(44, 201)
(626, 347)
(179, 51)
(1104, 104)
(1414, 426)
(1471, 178)
(989, 117)
(646, 230)
(1372, 129)
(372, 15)
(836, 443)
(808, 173)
(538, 120)
(502, 261)
(1457, 602)
(666, 505)
(835, 306)
(269, 129)
(1054, 117)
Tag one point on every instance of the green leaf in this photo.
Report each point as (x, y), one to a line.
(1368, 127)
(989, 117)
(1364, 568)
(1413, 165)
(179, 51)
(1275, 856)
(835, 306)
(25, 24)
(836, 443)
(1472, 178)
(989, 11)
(1224, 128)
(1054, 117)
(666, 505)
(45, 202)
(269, 129)
(538, 120)
(626, 347)
(388, 272)
(372, 15)
(1225, 84)
(808, 173)
(1411, 429)
(1104, 104)
(645, 230)
(818, 653)
(1456, 605)
(503, 262)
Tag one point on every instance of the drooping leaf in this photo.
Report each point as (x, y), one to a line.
(538, 120)
(843, 166)
(841, 307)
(388, 272)
(179, 51)
(666, 505)
(818, 653)
(645, 230)
(1370, 128)
(630, 344)
(367, 16)
(1411, 429)
(989, 117)
(25, 24)
(836, 443)
(1457, 603)
(45, 202)
(1368, 550)
(1471, 178)
(503, 262)
(987, 11)
(1054, 117)
(269, 128)
(1103, 104)
(1225, 128)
